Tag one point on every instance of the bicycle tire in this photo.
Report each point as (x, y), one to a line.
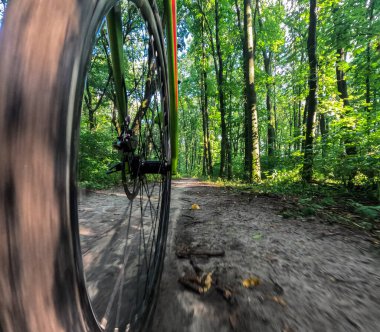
(42, 283)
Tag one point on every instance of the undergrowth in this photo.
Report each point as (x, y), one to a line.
(333, 201)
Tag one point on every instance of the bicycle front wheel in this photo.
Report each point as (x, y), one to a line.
(45, 50)
(123, 244)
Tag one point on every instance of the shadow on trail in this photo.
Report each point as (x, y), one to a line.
(104, 232)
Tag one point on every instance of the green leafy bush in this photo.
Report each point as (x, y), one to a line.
(95, 156)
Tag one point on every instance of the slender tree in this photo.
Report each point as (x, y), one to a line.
(312, 97)
(268, 56)
(207, 157)
(368, 60)
(220, 78)
(219, 71)
(252, 149)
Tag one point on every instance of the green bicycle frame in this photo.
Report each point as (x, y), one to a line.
(115, 33)
(114, 24)
(171, 12)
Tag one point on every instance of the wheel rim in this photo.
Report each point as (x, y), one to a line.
(122, 258)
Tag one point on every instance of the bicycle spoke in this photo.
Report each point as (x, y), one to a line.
(119, 280)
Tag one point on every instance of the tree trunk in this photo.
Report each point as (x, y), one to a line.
(88, 102)
(275, 114)
(343, 94)
(297, 123)
(267, 55)
(222, 106)
(252, 150)
(218, 63)
(368, 66)
(324, 132)
(367, 78)
(204, 107)
(229, 129)
(340, 77)
(247, 117)
(193, 154)
(186, 157)
(295, 120)
(312, 97)
(270, 117)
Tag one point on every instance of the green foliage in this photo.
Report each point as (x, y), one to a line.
(97, 132)
(367, 211)
(95, 157)
(99, 113)
(332, 202)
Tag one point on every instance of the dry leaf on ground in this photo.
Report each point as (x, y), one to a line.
(251, 282)
(198, 284)
(279, 300)
(227, 294)
(195, 207)
(206, 282)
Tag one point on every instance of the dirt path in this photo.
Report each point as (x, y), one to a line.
(312, 276)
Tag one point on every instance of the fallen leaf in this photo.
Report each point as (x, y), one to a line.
(257, 236)
(195, 207)
(206, 282)
(251, 282)
(199, 284)
(279, 300)
(227, 294)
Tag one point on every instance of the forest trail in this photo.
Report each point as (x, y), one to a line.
(306, 274)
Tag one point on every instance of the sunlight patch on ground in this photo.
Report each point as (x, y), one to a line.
(203, 316)
(92, 289)
(184, 183)
(193, 306)
(88, 258)
(85, 231)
